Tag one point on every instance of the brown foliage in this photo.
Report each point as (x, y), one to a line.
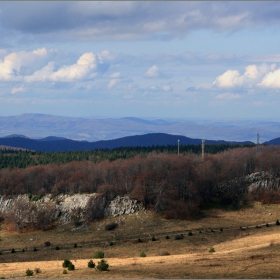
(170, 184)
(266, 196)
(95, 208)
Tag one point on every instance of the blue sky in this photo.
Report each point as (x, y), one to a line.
(141, 59)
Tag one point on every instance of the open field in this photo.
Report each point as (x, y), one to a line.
(249, 252)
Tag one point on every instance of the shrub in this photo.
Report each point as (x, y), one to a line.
(71, 266)
(143, 254)
(29, 272)
(200, 231)
(267, 196)
(111, 226)
(277, 223)
(77, 223)
(23, 250)
(154, 239)
(98, 255)
(164, 253)
(102, 265)
(167, 237)
(178, 237)
(212, 230)
(111, 243)
(35, 249)
(139, 240)
(13, 251)
(47, 244)
(64, 271)
(57, 248)
(66, 263)
(37, 270)
(221, 229)
(36, 197)
(91, 264)
(267, 225)
(75, 245)
(212, 250)
(190, 233)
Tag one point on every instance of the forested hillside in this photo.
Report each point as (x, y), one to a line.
(21, 159)
(177, 186)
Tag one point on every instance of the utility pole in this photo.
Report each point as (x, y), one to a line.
(178, 147)
(258, 143)
(202, 149)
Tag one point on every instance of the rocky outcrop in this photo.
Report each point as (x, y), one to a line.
(263, 180)
(67, 206)
(123, 205)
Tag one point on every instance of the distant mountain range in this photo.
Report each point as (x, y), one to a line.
(37, 126)
(53, 144)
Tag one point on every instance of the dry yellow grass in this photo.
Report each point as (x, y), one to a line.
(250, 253)
(248, 257)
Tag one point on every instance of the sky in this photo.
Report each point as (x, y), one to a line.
(144, 59)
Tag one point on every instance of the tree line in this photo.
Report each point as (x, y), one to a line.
(23, 159)
(178, 186)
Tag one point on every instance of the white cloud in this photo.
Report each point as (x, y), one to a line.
(105, 56)
(84, 65)
(271, 58)
(19, 89)
(128, 96)
(231, 21)
(251, 78)
(41, 51)
(41, 75)
(228, 96)
(153, 88)
(167, 88)
(9, 65)
(114, 80)
(115, 75)
(113, 83)
(230, 78)
(35, 66)
(152, 72)
(258, 103)
(271, 79)
(13, 63)
(3, 52)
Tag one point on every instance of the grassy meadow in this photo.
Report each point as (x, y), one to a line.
(242, 249)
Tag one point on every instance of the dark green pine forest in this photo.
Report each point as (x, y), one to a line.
(23, 159)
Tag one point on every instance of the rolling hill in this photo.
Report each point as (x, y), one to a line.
(275, 141)
(53, 144)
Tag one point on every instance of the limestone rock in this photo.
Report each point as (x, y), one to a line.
(66, 205)
(263, 180)
(123, 205)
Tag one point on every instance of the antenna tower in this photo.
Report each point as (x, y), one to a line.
(178, 147)
(202, 148)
